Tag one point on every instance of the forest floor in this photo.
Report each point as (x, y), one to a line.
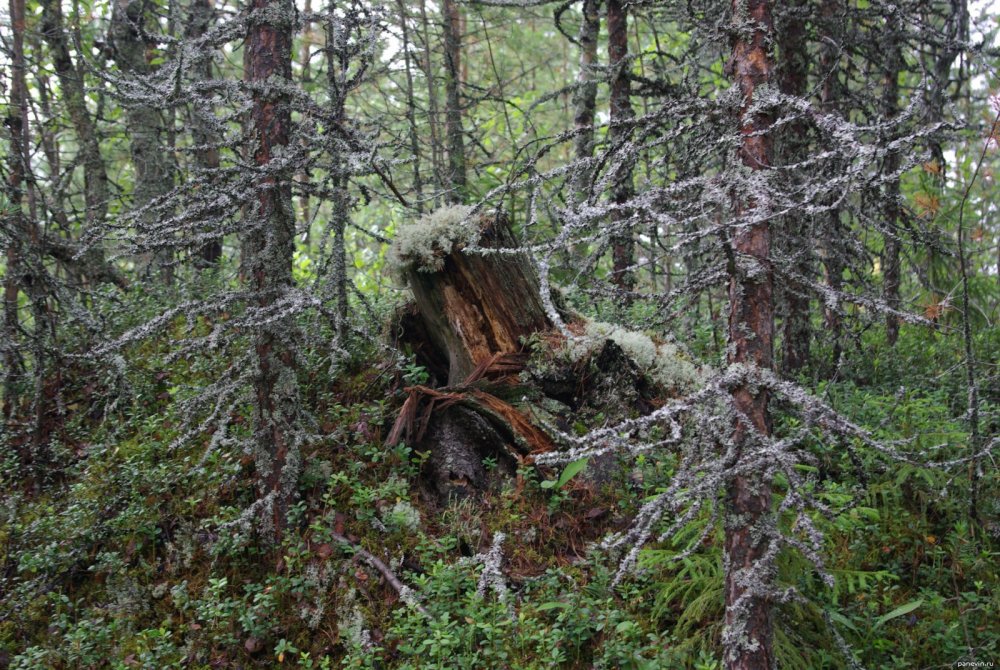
(133, 552)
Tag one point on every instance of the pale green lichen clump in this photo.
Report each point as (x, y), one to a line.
(404, 515)
(663, 363)
(423, 244)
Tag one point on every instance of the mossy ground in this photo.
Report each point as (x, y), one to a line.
(121, 556)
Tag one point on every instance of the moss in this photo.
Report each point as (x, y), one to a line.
(423, 244)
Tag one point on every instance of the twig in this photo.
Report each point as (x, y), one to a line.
(387, 573)
(970, 361)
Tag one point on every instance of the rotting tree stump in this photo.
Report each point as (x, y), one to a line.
(479, 305)
(470, 319)
(471, 325)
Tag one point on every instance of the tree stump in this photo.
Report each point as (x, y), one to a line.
(469, 323)
(473, 306)
(470, 318)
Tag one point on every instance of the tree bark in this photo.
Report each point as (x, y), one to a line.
(71, 82)
(337, 63)
(268, 245)
(18, 237)
(153, 172)
(585, 96)
(622, 244)
(304, 175)
(25, 271)
(411, 108)
(798, 240)
(201, 18)
(433, 111)
(453, 102)
(890, 206)
(749, 626)
(831, 97)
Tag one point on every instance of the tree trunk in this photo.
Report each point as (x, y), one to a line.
(453, 111)
(890, 206)
(201, 18)
(411, 109)
(337, 64)
(17, 237)
(71, 82)
(622, 244)
(25, 271)
(469, 322)
(433, 118)
(831, 96)
(153, 172)
(749, 627)
(268, 245)
(585, 96)
(304, 175)
(795, 148)
(480, 306)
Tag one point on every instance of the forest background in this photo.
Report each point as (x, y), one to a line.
(747, 416)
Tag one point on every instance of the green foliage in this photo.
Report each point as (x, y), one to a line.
(589, 626)
(570, 471)
(129, 551)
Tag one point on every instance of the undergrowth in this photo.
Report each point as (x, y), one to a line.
(127, 558)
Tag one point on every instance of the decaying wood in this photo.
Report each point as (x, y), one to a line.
(420, 407)
(463, 427)
(479, 305)
(470, 324)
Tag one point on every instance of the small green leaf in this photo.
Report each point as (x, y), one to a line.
(898, 612)
(843, 621)
(572, 470)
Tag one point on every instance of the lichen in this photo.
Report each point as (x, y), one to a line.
(662, 362)
(423, 244)
(351, 621)
(403, 515)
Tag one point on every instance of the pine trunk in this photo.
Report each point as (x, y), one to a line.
(749, 627)
(453, 110)
(17, 239)
(411, 108)
(201, 18)
(831, 97)
(268, 245)
(153, 173)
(796, 333)
(95, 177)
(890, 207)
(622, 244)
(585, 97)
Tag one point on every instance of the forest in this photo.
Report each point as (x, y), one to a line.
(501, 334)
